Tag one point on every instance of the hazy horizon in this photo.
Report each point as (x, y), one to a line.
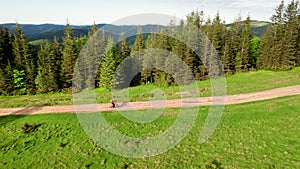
(90, 11)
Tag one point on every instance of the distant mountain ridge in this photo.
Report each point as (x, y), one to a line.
(49, 31)
(33, 29)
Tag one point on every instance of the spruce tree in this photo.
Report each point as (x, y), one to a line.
(7, 85)
(139, 41)
(207, 29)
(90, 58)
(238, 62)
(56, 62)
(271, 50)
(245, 45)
(163, 43)
(218, 34)
(232, 47)
(278, 41)
(123, 48)
(69, 57)
(138, 45)
(154, 57)
(24, 60)
(289, 58)
(108, 65)
(93, 30)
(266, 50)
(6, 58)
(17, 48)
(195, 38)
(279, 46)
(178, 47)
(147, 74)
(121, 77)
(47, 69)
(6, 53)
(98, 43)
(179, 50)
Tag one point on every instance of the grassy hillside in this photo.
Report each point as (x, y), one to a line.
(258, 28)
(238, 83)
(253, 135)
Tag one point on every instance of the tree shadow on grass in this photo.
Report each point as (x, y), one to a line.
(18, 114)
(7, 119)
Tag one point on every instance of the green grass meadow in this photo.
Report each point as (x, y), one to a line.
(239, 83)
(262, 134)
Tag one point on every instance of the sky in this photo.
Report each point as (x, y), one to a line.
(87, 12)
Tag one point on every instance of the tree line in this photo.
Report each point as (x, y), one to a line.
(24, 70)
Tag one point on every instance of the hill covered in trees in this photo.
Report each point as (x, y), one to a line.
(26, 68)
(49, 31)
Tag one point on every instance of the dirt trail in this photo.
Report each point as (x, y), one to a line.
(186, 102)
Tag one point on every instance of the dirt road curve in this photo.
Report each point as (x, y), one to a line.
(187, 102)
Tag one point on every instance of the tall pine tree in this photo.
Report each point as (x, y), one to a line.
(279, 46)
(108, 64)
(290, 35)
(245, 45)
(125, 69)
(69, 57)
(6, 54)
(232, 47)
(138, 45)
(47, 80)
(24, 60)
